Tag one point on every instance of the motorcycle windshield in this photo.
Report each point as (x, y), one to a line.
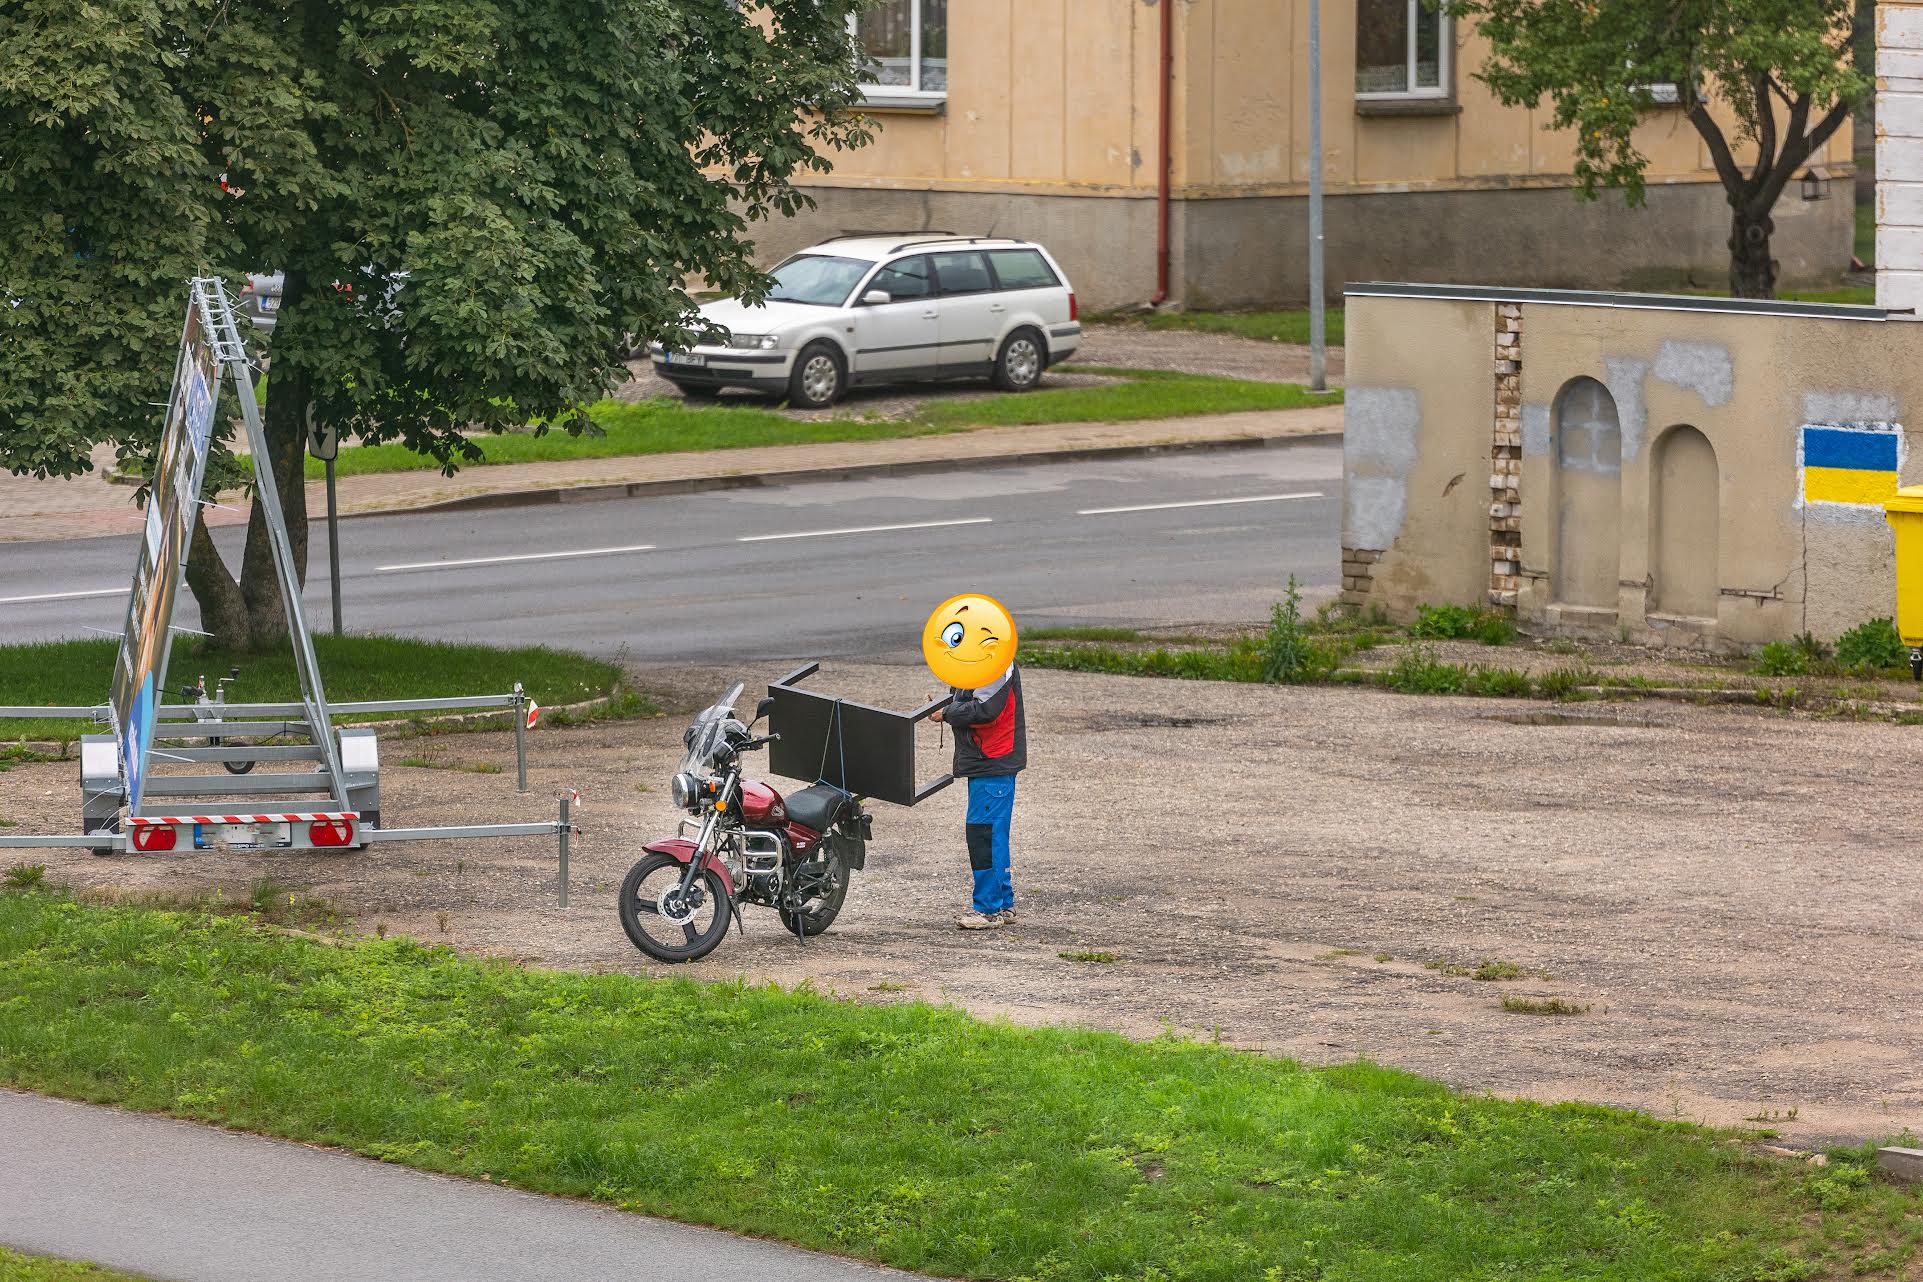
(704, 733)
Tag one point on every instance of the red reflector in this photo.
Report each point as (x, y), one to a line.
(331, 832)
(155, 837)
(1073, 311)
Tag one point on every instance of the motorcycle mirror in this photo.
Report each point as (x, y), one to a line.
(764, 707)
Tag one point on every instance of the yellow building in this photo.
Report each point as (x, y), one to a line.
(1056, 120)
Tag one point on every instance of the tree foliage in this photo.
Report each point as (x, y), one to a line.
(1781, 70)
(477, 204)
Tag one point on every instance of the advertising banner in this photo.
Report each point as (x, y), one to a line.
(172, 505)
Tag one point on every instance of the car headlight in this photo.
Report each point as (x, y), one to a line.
(752, 342)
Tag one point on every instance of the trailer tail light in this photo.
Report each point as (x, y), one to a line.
(1073, 311)
(154, 837)
(330, 832)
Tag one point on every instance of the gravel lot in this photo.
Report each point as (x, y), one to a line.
(1128, 346)
(1730, 896)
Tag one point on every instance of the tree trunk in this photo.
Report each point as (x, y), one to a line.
(222, 611)
(286, 456)
(1752, 271)
(249, 614)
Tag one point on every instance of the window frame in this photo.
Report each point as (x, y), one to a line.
(912, 94)
(1002, 286)
(988, 270)
(934, 282)
(1444, 89)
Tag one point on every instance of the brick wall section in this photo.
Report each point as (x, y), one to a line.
(1505, 461)
(1358, 565)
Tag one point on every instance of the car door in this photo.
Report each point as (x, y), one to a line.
(971, 312)
(897, 339)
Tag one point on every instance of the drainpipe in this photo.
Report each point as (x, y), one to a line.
(1164, 110)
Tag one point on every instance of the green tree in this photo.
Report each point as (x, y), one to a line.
(477, 204)
(1781, 69)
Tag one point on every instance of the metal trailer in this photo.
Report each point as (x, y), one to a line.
(334, 802)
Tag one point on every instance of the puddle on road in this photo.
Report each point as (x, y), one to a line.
(1562, 719)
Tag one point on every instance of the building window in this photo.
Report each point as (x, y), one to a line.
(1401, 49)
(904, 45)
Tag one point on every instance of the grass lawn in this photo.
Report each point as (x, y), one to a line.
(664, 425)
(15, 1267)
(908, 1133)
(1274, 327)
(74, 673)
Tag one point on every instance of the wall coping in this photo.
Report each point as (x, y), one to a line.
(1631, 302)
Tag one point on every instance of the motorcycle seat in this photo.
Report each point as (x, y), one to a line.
(816, 807)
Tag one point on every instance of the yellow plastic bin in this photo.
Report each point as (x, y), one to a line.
(1905, 515)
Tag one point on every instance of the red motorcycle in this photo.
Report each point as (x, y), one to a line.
(742, 843)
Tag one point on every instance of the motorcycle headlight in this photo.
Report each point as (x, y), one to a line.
(682, 790)
(752, 342)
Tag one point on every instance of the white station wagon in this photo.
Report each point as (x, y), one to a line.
(888, 309)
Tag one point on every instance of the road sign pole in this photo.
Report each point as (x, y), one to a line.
(1317, 335)
(333, 546)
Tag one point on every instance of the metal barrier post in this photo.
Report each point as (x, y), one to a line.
(520, 738)
(567, 827)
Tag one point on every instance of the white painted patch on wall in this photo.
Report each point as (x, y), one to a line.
(1625, 384)
(1379, 426)
(1702, 368)
(1535, 429)
(1871, 409)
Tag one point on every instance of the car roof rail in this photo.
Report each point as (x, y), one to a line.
(880, 233)
(950, 238)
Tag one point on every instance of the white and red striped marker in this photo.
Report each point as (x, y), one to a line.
(141, 821)
(533, 713)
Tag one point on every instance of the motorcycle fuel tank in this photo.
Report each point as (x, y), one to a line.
(761, 804)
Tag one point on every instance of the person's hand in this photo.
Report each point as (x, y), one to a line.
(936, 715)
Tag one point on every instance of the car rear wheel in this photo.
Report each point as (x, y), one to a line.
(1018, 366)
(818, 378)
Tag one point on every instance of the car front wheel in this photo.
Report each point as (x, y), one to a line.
(1018, 366)
(818, 377)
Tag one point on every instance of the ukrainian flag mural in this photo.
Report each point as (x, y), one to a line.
(1852, 466)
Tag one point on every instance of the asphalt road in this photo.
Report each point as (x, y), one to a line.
(169, 1199)
(820, 570)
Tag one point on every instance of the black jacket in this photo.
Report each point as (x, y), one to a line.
(991, 731)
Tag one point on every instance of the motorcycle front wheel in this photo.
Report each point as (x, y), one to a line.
(826, 892)
(656, 919)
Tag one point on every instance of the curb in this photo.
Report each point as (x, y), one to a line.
(859, 471)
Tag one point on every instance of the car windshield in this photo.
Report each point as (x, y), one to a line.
(816, 279)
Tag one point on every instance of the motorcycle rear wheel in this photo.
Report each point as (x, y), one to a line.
(819, 912)
(642, 893)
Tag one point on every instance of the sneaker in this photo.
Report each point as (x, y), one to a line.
(978, 921)
(1006, 916)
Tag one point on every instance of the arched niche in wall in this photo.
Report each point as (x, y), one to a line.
(1588, 516)
(1685, 523)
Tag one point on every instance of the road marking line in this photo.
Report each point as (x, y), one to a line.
(1163, 507)
(63, 596)
(863, 529)
(503, 560)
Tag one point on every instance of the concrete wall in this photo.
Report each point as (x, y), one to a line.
(1713, 538)
(1248, 251)
(1049, 130)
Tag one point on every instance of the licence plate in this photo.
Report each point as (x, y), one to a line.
(241, 836)
(685, 358)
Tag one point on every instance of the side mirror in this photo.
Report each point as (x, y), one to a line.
(876, 297)
(764, 707)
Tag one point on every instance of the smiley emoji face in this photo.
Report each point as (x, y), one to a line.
(968, 641)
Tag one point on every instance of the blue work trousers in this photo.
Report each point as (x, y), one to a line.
(991, 806)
